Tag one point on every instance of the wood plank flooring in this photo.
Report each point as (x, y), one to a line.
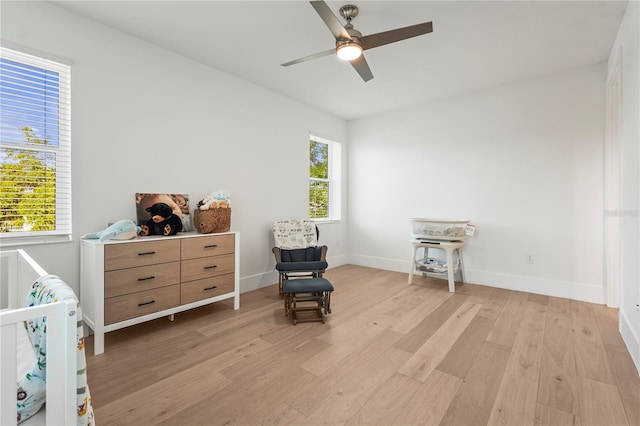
(390, 354)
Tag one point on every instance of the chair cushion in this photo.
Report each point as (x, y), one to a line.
(312, 285)
(301, 255)
(302, 266)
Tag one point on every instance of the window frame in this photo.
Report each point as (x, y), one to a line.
(334, 180)
(63, 207)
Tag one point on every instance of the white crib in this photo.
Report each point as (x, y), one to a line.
(18, 273)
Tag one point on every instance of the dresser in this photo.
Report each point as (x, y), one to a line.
(124, 283)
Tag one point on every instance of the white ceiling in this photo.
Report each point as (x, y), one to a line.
(474, 44)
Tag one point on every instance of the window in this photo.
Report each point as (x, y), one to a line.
(324, 179)
(35, 151)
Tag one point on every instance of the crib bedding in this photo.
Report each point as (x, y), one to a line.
(26, 357)
(31, 385)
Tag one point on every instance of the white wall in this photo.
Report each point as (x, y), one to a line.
(147, 120)
(627, 46)
(524, 162)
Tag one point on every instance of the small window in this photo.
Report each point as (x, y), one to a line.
(35, 151)
(324, 179)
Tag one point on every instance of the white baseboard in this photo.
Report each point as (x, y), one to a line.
(379, 263)
(631, 339)
(254, 282)
(335, 261)
(557, 288)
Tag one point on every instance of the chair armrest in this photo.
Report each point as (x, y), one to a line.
(277, 254)
(323, 253)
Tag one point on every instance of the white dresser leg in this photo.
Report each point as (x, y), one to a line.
(98, 342)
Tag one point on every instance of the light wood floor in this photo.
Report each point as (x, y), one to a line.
(389, 354)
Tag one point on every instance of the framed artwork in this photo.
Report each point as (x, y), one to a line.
(179, 204)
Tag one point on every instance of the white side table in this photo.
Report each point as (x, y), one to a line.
(449, 247)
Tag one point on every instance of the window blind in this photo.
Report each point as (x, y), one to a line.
(35, 146)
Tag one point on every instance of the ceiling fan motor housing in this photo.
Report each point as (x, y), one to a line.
(355, 36)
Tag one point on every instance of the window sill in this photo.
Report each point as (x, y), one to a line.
(33, 240)
(326, 220)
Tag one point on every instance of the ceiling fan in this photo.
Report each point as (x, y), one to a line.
(350, 43)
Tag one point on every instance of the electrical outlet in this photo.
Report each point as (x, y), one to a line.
(528, 258)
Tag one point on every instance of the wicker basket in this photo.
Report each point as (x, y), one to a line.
(212, 220)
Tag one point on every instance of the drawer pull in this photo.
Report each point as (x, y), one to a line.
(210, 288)
(211, 267)
(145, 253)
(146, 303)
(146, 278)
(211, 246)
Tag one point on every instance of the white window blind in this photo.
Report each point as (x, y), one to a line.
(35, 149)
(325, 179)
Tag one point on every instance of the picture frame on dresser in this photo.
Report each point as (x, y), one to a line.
(129, 282)
(179, 204)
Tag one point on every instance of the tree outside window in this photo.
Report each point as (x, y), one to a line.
(318, 179)
(27, 187)
(324, 179)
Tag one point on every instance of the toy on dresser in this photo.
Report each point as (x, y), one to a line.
(213, 213)
(162, 221)
(120, 230)
(217, 199)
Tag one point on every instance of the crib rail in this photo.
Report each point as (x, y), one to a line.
(19, 271)
(61, 345)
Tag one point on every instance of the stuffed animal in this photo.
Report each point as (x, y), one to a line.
(222, 199)
(121, 230)
(205, 203)
(162, 222)
(217, 199)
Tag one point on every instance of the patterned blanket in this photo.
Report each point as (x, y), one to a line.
(32, 389)
(295, 234)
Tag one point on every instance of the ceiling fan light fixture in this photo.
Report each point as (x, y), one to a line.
(349, 51)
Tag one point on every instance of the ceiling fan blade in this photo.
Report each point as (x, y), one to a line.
(330, 20)
(310, 57)
(380, 39)
(362, 67)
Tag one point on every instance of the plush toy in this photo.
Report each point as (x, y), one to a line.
(205, 203)
(217, 199)
(121, 230)
(162, 222)
(222, 199)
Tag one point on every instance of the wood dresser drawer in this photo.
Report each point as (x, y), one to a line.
(129, 282)
(134, 305)
(121, 256)
(206, 267)
(206, 288)
(123, 281)
(193, 248)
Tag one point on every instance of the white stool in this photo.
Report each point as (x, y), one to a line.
(449, 247)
